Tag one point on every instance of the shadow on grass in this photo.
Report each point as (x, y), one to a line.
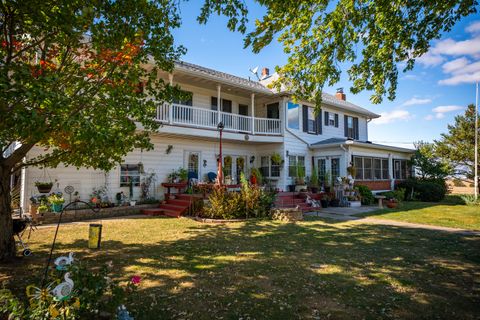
(269, 270)
(404, 206)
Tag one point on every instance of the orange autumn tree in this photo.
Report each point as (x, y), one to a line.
(77, 78)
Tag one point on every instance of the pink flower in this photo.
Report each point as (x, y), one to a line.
(135, 279)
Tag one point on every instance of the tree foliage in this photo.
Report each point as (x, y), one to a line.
(372, 37)
(427, 164)
(458, 145)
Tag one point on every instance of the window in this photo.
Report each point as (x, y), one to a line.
(293, 161)
(129, 173)
(268, 168)
(311, 121)
(331, 119)
(335, 167)
(400, 169)
(321, 168)
(371, 168)
(272, 111)
(243, 109)
(293, 115)
(227, 167)
(351, 127)
(185, 99)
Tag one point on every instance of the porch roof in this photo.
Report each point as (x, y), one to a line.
(333, 142)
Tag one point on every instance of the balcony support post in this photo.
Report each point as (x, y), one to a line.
(253, 112)
(170, 108)
(219, 103)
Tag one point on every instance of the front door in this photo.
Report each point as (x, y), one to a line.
(233, 167)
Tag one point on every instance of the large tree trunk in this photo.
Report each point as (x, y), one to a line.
(7, 242)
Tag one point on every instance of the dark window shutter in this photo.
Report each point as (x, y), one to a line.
(214, 103)
(305, 118)
(326, 118)
(336, 120)
(355, 128)
(345, 118)
(318, 123)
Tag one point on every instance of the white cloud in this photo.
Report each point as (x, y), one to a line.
(473, 27)
(430, 60)
(445, 109)
(457, 48)
(439, 115)
(416, 101)
(429, 117)
(392, 116)
(461, 78)
(455, 65)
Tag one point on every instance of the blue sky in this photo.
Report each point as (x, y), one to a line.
(428, 98)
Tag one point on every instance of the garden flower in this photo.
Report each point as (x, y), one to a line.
(136, 279)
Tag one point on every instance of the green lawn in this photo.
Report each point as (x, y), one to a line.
(438, 214)
(269, 270)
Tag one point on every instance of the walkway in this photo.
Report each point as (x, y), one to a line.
(348, 214)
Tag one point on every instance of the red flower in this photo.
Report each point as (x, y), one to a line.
(135, 279)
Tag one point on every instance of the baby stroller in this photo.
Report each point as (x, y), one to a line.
(19, 226)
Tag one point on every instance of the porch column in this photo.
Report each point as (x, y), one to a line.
(252, 97)
(170, 107)
(390, 171)
(219, 103)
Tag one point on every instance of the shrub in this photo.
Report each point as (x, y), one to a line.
(455, 199)
(398, 194)
(431, 191)
(469, 200)
(366, 194)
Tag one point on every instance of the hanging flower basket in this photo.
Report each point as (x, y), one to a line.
(44, 187)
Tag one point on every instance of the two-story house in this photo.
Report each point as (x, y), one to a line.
(258, 122)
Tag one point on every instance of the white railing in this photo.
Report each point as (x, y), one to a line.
(268, 126)
(205, 118)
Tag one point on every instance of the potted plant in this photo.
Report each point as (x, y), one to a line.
(334, 202)
(326, 181)
(57, 201)
(314, 181)
(300, 180)
(44, 187)
(325, 200)
(276, 158)
(392, 203)
(182, 175)
(352, 171)
(42, 209)
(34, 204)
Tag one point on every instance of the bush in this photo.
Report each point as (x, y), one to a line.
(398, 194)
(251, 201)
(454, 199)
(469, 200)
(366, 194)
(431, 191)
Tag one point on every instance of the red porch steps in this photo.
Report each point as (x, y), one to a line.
(174, 207)
(294, 199)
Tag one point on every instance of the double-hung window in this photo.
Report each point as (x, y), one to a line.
(268, 168)
(129, 173)
(311, 121)
(400, 169)
(371, 168)
(293, 162)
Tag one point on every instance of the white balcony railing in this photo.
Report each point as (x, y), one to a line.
(205, 118)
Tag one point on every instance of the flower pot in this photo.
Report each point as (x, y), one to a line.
(324, 203)
(391, 204)
(33, 209)
(253, 180)
(334, 203)
(44, 188)
(133, 203)
(57, 207)
(355, 204)
(314, 189)
(291, 188)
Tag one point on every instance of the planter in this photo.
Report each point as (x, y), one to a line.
(355, 204)
(133, 203)
(44, 188)
(33, 209)
(314, 189)
(57, 207)
(291, 188)
(334, 203)
(324, 203)
(391, 204)
(327, 189)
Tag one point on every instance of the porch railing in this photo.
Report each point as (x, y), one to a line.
(205, 118)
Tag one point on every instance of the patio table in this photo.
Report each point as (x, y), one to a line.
(380, 201)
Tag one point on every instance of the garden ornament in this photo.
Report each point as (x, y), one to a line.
(63, 261)
(64, 289)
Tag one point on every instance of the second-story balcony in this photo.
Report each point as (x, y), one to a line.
(195, 117)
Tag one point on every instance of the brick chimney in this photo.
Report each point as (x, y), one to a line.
(265, 72)
(340, 95)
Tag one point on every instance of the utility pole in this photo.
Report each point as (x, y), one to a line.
(475, 183)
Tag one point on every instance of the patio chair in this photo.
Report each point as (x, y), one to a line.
(211, 176)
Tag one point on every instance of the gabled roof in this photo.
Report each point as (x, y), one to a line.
(348, 106)
(222, 76)
(334, 142)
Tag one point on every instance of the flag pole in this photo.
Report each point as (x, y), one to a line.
(476, 144)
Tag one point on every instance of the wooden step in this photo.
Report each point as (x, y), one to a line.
(179, 202)
(153, 212)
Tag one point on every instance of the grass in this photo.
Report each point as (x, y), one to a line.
(315, 269)
(437, 214)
